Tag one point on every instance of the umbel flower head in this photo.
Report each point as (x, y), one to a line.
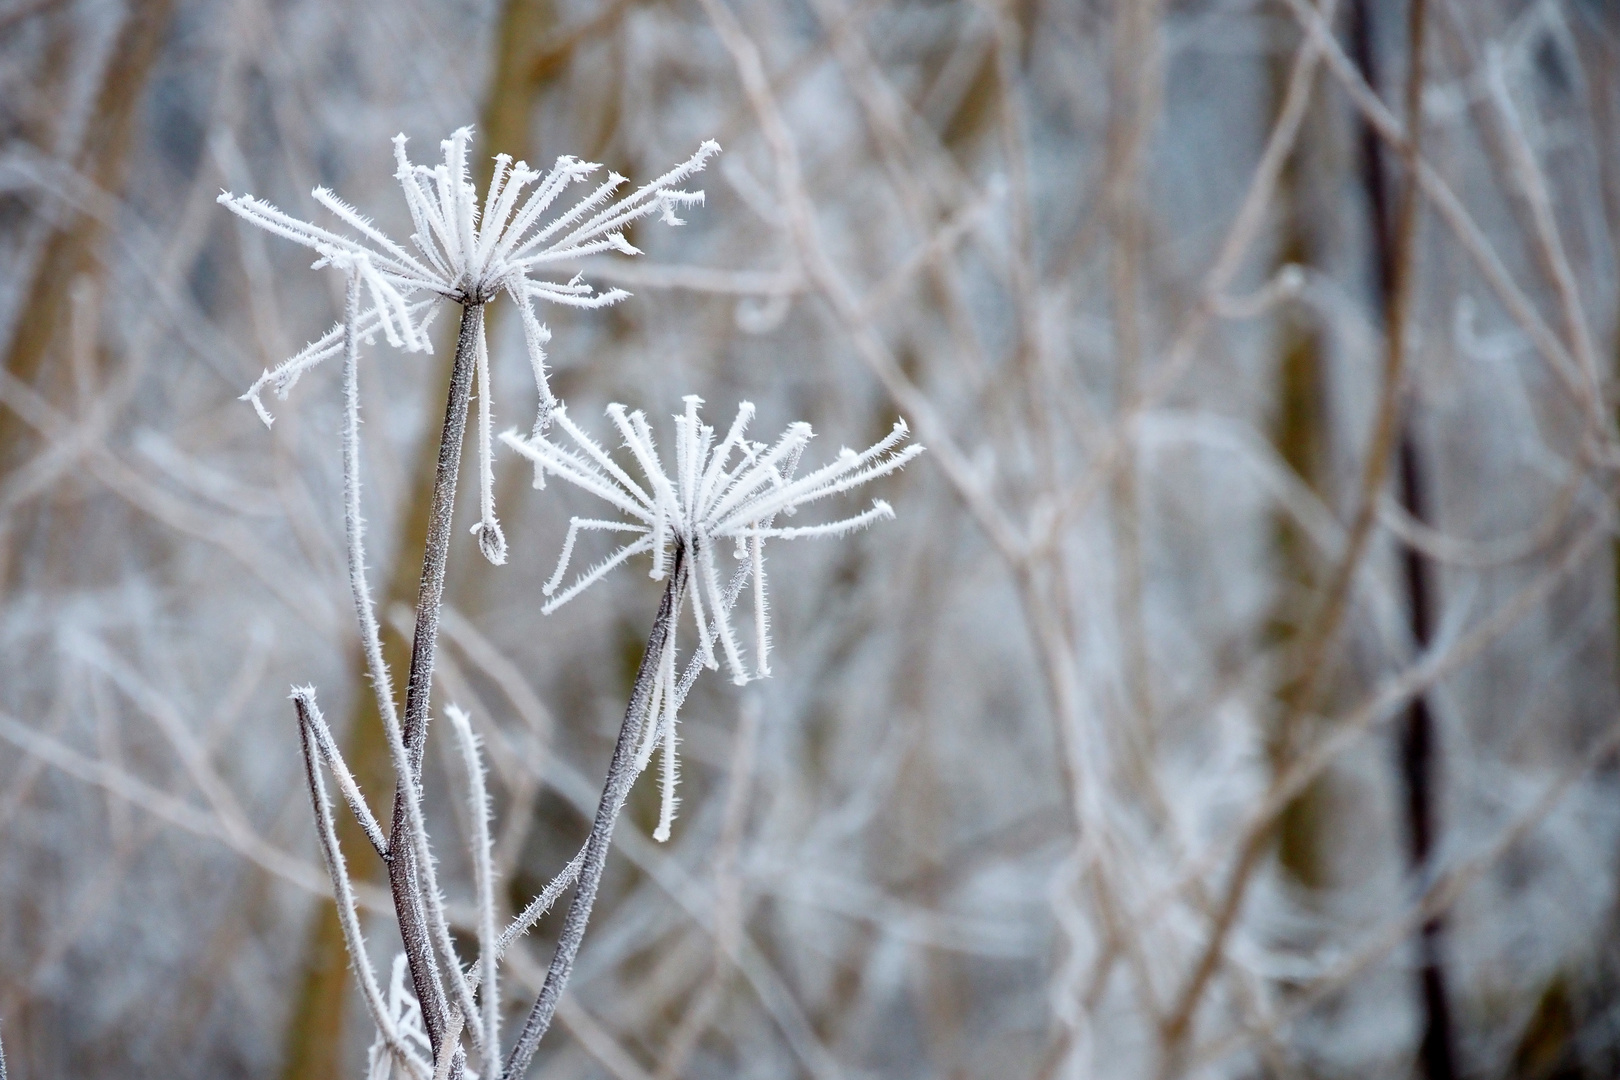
(469, 254)
(730, 492)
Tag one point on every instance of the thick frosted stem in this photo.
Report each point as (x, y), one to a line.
(403, 872)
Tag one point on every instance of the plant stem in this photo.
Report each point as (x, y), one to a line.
(402, 868)
(621, 773)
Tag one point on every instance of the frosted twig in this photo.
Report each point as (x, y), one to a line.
(449, 1049)
(333, 758)
(536, 909)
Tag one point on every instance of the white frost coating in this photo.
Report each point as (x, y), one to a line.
(732, 491)
(469, 255)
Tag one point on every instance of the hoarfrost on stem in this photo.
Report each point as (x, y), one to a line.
(733, 491)
(469, 254)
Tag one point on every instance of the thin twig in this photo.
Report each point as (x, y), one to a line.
(447, 1053)
(354, 533)
(333, 757)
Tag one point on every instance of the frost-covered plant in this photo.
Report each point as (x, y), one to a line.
(734, 492)
(465, 253)
(469, 255)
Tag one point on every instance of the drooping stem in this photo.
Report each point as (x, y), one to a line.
(621, 773)
(403, 872)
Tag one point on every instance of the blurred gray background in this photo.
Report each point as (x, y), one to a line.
(1233, 696)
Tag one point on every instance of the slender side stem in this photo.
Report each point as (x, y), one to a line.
(621, 773)
(309, 721)
(402, 869)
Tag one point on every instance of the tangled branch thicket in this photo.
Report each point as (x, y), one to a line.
(1233, 694)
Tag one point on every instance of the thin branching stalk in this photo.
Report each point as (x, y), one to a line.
(405, 765)
(621, 772)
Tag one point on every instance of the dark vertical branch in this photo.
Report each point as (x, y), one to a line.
(1394, 257)
(621, 773)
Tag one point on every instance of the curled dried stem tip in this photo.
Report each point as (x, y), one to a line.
(491, 541)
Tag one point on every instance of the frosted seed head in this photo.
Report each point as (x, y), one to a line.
(457, 254)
